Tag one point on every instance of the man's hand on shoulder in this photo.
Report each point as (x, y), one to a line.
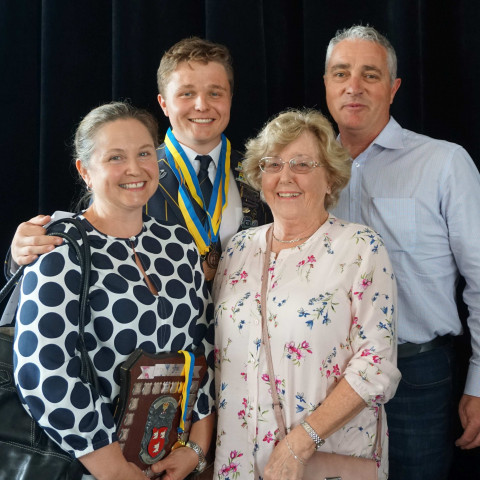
(469, 411)
(30, 240)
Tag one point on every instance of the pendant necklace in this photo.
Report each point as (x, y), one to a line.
(290, 241)
(295, 239)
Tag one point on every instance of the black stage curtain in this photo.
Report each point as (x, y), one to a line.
(60, 58)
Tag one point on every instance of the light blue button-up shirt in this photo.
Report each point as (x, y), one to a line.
(423, 196)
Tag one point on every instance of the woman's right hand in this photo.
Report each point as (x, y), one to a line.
(108, 463)
(30, 240)
(177, 465)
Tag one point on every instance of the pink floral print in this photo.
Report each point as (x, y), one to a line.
(330, 315)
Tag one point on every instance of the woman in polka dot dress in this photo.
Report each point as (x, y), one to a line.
(146, 290)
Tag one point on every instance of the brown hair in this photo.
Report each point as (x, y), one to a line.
(84, 142)
(193, 49)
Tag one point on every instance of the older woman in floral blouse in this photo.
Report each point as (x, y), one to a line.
(330, 313)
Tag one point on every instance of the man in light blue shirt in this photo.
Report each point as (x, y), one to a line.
(422, 195)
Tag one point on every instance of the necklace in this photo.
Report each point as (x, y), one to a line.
(290, 241)
(295, 240)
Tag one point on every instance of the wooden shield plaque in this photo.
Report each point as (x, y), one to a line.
(149, 408)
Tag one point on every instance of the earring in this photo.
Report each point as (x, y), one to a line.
(329, 190)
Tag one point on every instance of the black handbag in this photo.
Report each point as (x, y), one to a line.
(26, 452)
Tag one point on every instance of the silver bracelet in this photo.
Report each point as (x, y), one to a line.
(313, 434)
(202, 462)
(298, 459)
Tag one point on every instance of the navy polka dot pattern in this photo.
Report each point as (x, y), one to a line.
(125, 315)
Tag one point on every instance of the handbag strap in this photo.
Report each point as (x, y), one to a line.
(87, 372)
(277, 407)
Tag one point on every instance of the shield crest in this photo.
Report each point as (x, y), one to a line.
(157, 441)
(157, 429)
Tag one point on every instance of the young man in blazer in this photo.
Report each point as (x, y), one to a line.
(195, 81)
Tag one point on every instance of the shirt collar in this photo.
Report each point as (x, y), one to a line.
(215, 153)
(390, 137)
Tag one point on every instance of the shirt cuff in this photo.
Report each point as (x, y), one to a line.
(472, 385)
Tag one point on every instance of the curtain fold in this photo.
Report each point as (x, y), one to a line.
(61, 58)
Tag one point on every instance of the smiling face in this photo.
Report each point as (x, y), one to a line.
(197, 102)
(297, 198)
(122, 170)
(358, 88)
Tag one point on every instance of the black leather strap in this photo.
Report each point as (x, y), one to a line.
(88, 372)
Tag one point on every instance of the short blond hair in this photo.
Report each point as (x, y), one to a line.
(286, 127)
(193, 49)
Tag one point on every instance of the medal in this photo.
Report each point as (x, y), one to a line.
(210, 262)
(208, 271)
(213, 256)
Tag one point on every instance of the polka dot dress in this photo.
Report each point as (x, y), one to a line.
(124, 315)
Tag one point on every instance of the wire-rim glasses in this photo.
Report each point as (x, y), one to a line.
(297, 164)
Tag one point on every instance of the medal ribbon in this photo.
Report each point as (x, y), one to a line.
(187, 372)
(204, 235)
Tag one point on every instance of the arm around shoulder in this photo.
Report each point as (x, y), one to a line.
(30, 241)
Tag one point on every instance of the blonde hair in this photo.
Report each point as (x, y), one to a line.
(286, 127)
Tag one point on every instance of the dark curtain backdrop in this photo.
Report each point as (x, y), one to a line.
(60, 58)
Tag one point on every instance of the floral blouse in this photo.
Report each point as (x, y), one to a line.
(330, 314)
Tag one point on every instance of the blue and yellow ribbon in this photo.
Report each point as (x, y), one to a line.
(187, 372)
(189, 188)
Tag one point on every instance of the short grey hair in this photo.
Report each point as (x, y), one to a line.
(370, 34)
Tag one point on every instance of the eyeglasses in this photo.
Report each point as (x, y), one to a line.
(298, 164)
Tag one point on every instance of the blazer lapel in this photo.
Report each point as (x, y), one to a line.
(168, 189)
(164, 203)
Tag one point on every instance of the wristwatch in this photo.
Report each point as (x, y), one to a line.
(202, 462)
(313, 435)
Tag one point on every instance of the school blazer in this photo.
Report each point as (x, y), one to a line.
(164, 204)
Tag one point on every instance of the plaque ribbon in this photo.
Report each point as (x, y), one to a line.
(187, 372)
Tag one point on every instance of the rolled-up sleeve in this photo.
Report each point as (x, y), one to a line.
(372, 371)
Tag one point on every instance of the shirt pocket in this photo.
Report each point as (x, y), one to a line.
(394, 220)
